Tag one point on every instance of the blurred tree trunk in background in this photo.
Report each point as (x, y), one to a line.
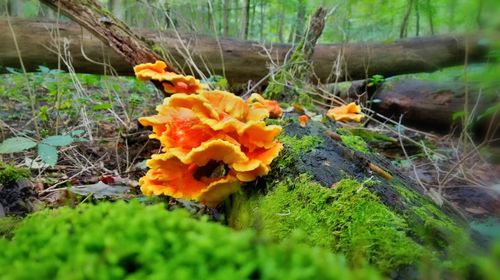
(417, 18)
(451, 14)
(403, 32)
(236, 18)
(117, 7)
(262, 12)
(16, 8)
(430, 13)
(479, 19)
(227, 14)
(298, 26)
(210, 18)
(281, 24)
(251, 28)
(244, 19)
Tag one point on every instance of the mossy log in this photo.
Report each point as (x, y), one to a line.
(342, 196)
(435, 104)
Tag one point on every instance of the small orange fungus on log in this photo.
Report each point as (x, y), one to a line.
(171, 82)
(349, 112)
(303, 120)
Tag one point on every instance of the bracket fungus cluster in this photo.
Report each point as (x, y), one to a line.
(212, 141)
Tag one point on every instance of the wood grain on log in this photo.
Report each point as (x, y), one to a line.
(243, 60)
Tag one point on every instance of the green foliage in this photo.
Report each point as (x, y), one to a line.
(46, 148)
(116, 241)
(375, 80)
(9, 174)
(16, 144)
(218, 82)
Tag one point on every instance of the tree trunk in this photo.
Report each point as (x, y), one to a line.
(244, 19)
(16, 8)
(359, 60)
(261, 31)
(117, 8)
(430, 13)
(300, 21)
(227, 15)
(281, 26)
(403, 32)
(417, 18)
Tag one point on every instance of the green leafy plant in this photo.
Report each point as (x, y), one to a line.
(46, 148)
(375, 80)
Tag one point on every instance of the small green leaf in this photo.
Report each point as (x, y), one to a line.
(16, 144)
(102, 106)
(58, 140)
(48, 154)
(457, 115)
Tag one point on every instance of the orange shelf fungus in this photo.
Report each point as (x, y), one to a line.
(171, 82)
(303, 120)
(349, 112)
(257, 101)
(212, 141)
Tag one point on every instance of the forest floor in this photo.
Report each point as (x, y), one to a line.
(107, 153)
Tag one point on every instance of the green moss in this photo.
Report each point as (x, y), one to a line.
(431, 225)
(369, 135)
(347, 219)
(356, 143)
(246, 205)
(117, 241)
(448, 240)
(9, 174)
(294, 148)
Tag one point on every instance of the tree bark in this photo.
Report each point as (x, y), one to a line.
(244, 61)
(227, 14)
(431, 104)
(245, 19)
(403, 32)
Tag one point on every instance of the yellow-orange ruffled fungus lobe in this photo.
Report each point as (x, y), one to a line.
(349, 112)
(171, 82)
(213, 141)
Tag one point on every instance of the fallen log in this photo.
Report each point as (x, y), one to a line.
(434, 104)
(242, 60)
